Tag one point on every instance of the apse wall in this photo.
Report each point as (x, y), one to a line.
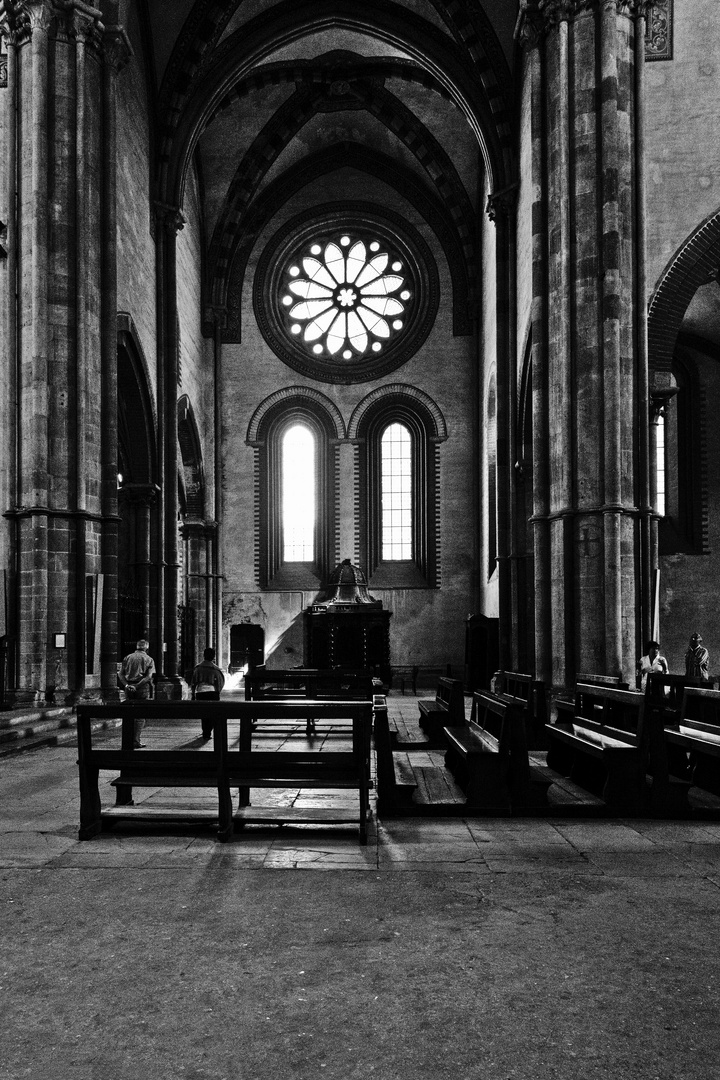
(428, 622)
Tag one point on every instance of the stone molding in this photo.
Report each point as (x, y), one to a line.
(537, 17)
(170, 217)
(502, 203)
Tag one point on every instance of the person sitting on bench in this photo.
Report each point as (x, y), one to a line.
(206, 684)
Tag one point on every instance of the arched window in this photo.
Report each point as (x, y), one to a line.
(399, 435)
(396, 493)
(295, 434)
(298, 494)
(491, 475)
(680, 462)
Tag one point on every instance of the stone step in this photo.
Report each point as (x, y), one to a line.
(29, 729)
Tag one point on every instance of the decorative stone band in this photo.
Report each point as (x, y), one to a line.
(536, 17)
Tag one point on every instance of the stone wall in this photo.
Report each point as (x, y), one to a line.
(428, 624)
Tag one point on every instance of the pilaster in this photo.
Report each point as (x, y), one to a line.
(589, 359)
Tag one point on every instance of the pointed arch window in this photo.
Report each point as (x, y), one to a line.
(396, 494)
(399, 497)
(295, 442)
(298, 494)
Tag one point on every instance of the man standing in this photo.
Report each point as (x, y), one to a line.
(697, 660)
(136, 675)
(206, 684)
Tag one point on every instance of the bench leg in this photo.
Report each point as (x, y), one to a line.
(225, 814)
(625, 785)
(559, 755)
(90, 806)
(487, 786)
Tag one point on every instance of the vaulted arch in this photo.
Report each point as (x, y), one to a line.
(193, 99)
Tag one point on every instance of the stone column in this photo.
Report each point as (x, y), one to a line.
(33, 22)
(9, 89)
(215, 631)
(171, 221)
(501, 210)
(117, 53)
(591, 364)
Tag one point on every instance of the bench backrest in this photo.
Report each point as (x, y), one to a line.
(451, 695)
(665, 692)
(309, 683)
(524, 689)
(620, 711)
(602, 680)
(701, 706)
(359, 713)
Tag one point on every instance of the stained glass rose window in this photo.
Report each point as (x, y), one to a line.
(347, 297)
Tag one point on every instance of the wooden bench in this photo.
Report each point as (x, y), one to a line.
(220, 766)
(602, 746)
(309, 683)
(396, 783)
(447, 709)
(488, 755)
(696, 734)
(529, 695)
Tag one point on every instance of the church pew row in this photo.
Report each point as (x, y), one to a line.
(488, 757)
(529, 695)
(221, 766)
(446, 708)
(692, 742)
(602, 746)
(311, 683)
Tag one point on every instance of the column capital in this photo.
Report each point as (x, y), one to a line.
(80, 22)
(536, 17)
(500, 204)
(139, 494)
(170, 217)
(216, 315)
(117, 48)
(19, 19)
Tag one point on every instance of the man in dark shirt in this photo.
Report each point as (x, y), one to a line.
(206, 684)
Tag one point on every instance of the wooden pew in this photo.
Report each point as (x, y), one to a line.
(309, 683)
(447, 709)
(220, 766)
(603, 746)
(529, 695)
(697, 735)
(396, 784)
(565, 708)
(667, 762)
(488, 756)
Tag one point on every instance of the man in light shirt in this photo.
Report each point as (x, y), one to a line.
(136, 675)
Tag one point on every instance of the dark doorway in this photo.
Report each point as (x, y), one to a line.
(247, 646)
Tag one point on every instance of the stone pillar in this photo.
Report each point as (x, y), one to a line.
(9, 90)
(171, 221)
(117, 53)
(591, 375)
(215, 631)
(501, 210)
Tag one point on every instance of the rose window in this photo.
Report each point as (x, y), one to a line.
(347, 299)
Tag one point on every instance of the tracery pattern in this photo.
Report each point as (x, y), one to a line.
(346, 298)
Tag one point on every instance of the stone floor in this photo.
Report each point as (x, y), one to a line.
(464, 948)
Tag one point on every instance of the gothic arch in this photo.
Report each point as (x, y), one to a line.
(694, 264)
(399, 393)
(288, 396)
(239, 243)
(192, 475)
(471, 83)
(137, 421)
(301, 107)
